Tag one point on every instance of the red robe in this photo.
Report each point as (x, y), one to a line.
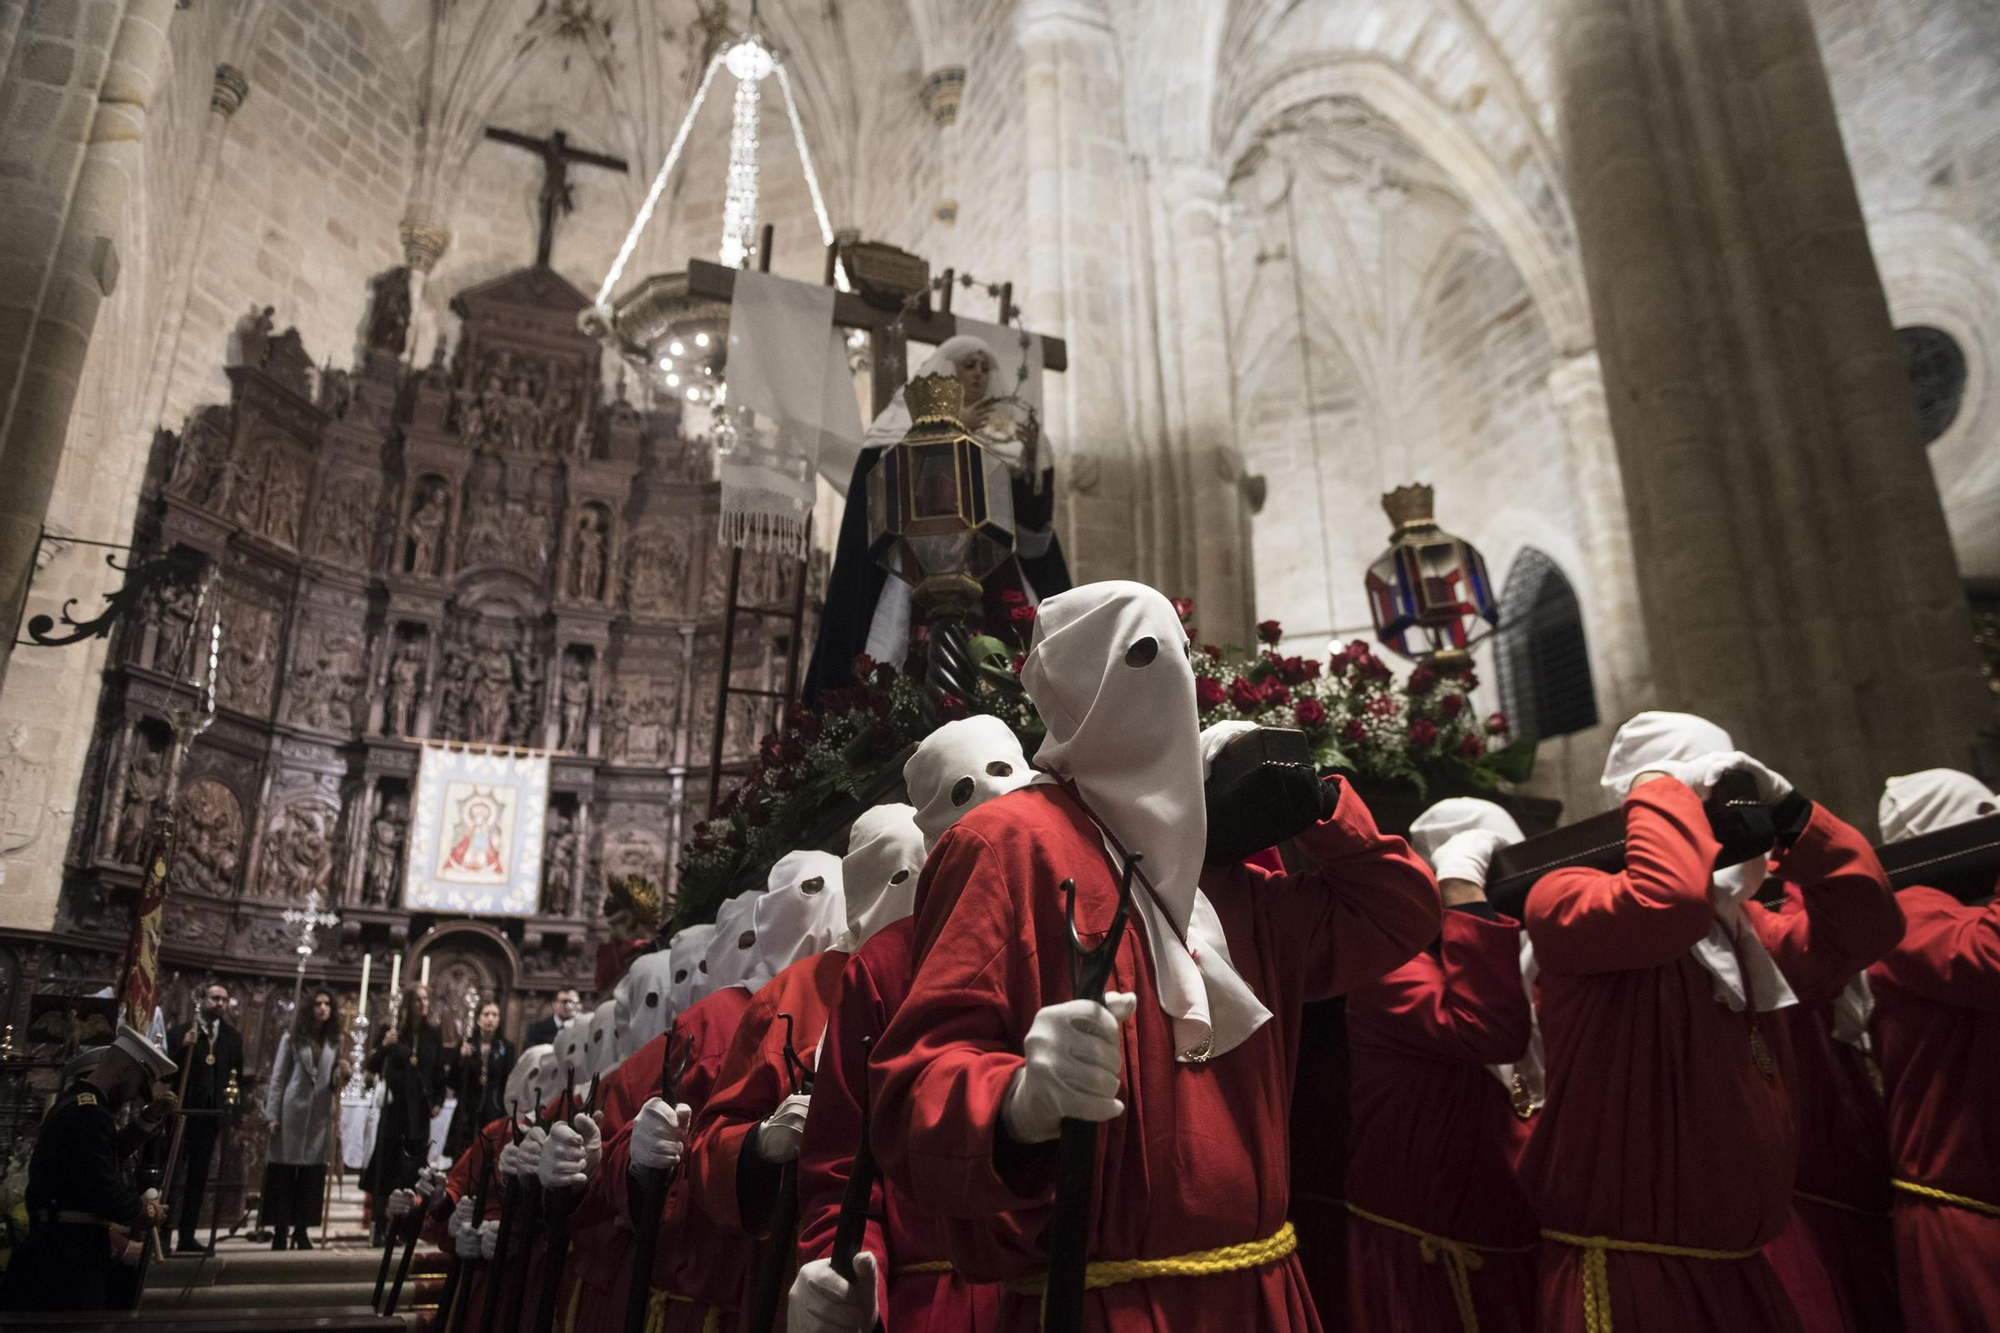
(1937, 1035)
(694, 1258)
(872, 988)
(460, 1181)
(1199, 1159)
(753, 1080)
(1659, 1128)
(1432, 1143)
(1841, 1193)
(600, 1260)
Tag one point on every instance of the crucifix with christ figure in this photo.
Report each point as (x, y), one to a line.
(556, 155)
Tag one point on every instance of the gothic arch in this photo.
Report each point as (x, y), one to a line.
(1543, 658)
(1544, 257)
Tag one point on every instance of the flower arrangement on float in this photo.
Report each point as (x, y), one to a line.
(1359, 719)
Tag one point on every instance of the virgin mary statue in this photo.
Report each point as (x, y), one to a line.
(869, 612)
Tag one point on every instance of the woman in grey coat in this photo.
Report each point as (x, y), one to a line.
(300, 1104)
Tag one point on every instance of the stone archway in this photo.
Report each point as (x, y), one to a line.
(468, 956)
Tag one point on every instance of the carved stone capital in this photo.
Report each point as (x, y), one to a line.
(231, 87)
(943, 90)
(423, 244)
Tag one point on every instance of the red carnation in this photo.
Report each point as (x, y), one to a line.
(1496, 725)
(1423, 680)
(950, 707)
(1451, 705)
(1208, 693)
(1270, 631)
(864, 666)
(1013, 597)
(1422, 732)
(1247, 697)
(1309, 713)
(1472, 747)
(1354, 733)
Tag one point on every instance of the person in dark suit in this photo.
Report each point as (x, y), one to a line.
(211, 1051)
(409, 1059)
(87, 1219)
(542, 1032)
(485, 1060)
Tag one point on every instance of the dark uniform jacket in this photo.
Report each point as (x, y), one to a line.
(77, 1191)
(188, 1047)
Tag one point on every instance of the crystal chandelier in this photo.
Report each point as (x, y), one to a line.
(678, 341)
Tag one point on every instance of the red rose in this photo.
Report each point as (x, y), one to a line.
(1423, 680)
(1020, 661)
(1354, 733)
(1208, 693)
(1358, 650)
(1336, 666)
(864, 666)
(885, 675)
(1375, 669)
(1214, 653)
(950, 707)
(1183, 607)
(1422, 732)
(1023, 617)
(1472, 747)
(770, 750)
(1451, 705)
(1270, 631)
(1013, 597)
(1276, 693)
(1309, 713)
(1496, 725)
(1247, 697)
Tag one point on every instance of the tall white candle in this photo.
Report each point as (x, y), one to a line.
(424, 976)
(367, 960)
(395, 976)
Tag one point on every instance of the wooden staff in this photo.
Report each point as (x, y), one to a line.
(454, 1270)
(1076, 1153)
(531, 1222)
(852, 1228)
(775, 1258)
(512, 1201)
(557, 1207)
(649, 1185)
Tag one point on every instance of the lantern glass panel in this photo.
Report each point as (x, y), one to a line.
(934, 485)
(944, 554)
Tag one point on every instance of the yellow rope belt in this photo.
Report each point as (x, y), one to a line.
(1461, 1260)
(1825, 1202)
(656, 1312)
(1202, 1263)
(1596, 1271)
(927, 1266)
(569, 1316)
(1942, 1196)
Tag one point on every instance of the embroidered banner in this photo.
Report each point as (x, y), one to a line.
(476, 831)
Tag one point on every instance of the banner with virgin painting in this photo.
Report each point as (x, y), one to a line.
(476, 830)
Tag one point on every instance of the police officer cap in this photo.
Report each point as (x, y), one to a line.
(143, 1053)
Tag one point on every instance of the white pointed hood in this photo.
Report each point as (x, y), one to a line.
(526, 1085)
(648, 987)
(1108, 671)
(878, 876)
(732, 950)
(961, 766)
(601, 1038)
(801, 912)
(687, 969)
(1647, 741)
(1919, 803)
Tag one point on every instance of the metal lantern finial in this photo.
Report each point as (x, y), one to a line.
(1428, 593)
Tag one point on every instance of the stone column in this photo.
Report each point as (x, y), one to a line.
(1613, 625)
(1793, 564)
(1077, 169)
(1201, 401)
(84, 271)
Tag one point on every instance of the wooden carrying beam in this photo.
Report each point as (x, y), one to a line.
(1963, 860)
(711, 281)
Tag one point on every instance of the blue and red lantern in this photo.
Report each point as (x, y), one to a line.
(1429, 594)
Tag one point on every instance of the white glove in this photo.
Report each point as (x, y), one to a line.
(824, 1302)
(463, 1225)
(1467, 855)
(1071, 1070)
(659, 1134)
(428, 1181)
(400, 1202)
(489, 1238)
(1771, 787)
(571, 1155)
(528, 1157)
(510, 1160)
(778, 1137)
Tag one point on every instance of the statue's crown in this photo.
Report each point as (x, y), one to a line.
(935, 398)
(1409, 506)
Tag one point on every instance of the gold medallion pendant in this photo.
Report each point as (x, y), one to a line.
(1760, 1053)
(211, 1057)
(1524, 1101)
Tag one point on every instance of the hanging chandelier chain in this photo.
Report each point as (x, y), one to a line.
(658, 187)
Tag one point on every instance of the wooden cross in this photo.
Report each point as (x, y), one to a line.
(556, 155)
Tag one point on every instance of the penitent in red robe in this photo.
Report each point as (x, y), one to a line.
(913, 1295)
(754, 1079)
(1199, 1160)
(461, 1181)
(1659, 1128)
(600, 1258)
(1433, 1138)
(694, 1259)
(1937, 1035)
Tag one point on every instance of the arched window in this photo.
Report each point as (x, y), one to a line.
(1545, 684)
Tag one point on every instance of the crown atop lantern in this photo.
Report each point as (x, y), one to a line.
(1410, 507)
(935, 400)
